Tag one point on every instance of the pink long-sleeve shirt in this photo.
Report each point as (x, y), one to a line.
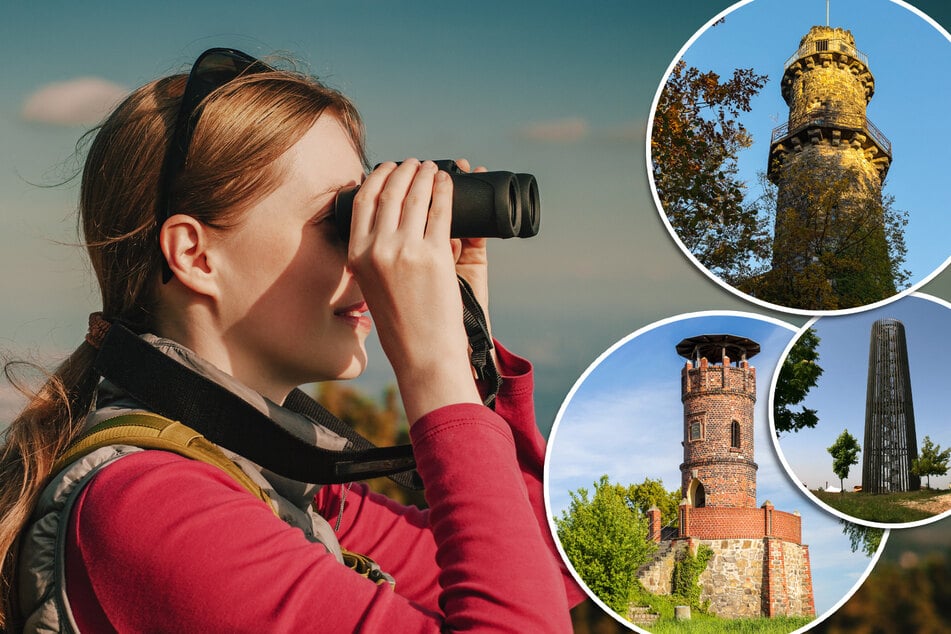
(157, 542)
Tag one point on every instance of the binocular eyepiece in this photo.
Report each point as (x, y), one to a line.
(484, 205)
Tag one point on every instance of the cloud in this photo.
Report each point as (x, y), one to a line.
(578, 129)
(567, 130)
(79, 101)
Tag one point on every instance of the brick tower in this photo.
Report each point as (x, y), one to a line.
(829, 162)
(890, 442)
(759, 565)
(718, 390)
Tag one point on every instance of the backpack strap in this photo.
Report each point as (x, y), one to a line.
(168, 387)
(151, 431)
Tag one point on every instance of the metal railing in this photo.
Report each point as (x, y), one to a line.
(834, 45)
(833, 119)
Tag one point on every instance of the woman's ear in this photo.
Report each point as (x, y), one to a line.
(185, 242)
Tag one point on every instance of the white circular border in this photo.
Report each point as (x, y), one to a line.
(673, 234)
(607, 353)
(792, 474)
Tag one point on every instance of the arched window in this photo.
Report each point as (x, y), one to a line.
(735, 436)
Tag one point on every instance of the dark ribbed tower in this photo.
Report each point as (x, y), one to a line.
(829, 162)
(718, 390)
(890, 441)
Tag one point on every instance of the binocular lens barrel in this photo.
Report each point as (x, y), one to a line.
(531, 206)
(484, 205)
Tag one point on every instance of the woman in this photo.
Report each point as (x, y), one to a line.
(206, 206)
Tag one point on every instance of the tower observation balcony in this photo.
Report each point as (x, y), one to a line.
(825, 118)
(833, 45)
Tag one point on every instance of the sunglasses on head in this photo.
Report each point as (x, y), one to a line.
(213, 68)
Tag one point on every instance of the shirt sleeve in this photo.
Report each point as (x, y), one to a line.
(157, 542)
(515, 403)
(399, 537)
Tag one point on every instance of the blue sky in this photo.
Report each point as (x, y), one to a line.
(908, 57)
(624, 418)
(839, 396)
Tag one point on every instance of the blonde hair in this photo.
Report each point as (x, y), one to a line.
(245, 125)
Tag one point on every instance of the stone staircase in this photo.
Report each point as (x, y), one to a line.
(641, 616)
(655, 575)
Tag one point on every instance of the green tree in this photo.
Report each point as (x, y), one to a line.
(864, 537)
(799, 374)
(844, 452)
(838, 243)
(650, 493)
(695, 140)
(606, 541)
(930, 461)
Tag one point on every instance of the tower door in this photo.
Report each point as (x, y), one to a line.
(697, 495)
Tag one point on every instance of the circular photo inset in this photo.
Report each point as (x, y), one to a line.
(859, 413)
(666, 496)
(789, 156)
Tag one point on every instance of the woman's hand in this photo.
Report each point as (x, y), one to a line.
(404, 262)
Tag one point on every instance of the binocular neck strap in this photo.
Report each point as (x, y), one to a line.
(480, 344)
(172, 390)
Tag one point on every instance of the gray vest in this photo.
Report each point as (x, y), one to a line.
(41, 563)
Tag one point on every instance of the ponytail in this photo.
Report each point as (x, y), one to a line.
(32, 444)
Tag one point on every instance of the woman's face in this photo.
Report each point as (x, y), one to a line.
(290, 310)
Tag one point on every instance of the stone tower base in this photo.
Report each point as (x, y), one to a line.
(745, 577)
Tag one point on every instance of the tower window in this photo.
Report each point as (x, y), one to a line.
(696, 430)
(735, 436)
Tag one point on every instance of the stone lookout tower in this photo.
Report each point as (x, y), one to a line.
(828, 142)
(718, 390)
(758, 565)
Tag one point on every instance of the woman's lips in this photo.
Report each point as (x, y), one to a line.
(355, 315)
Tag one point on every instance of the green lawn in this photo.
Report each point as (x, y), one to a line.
(713, 625)
(888, 507)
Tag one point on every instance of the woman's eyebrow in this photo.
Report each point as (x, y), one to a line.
(323, 199)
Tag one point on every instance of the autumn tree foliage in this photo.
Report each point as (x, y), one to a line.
(899, 598)
(799, 373)
(695, 139)
(381, 422)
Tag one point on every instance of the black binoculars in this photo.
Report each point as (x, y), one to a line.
(484, 205)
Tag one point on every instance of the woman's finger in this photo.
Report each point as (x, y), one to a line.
(365, 201)
(416, 205)
(440, 209)
(389, 207)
